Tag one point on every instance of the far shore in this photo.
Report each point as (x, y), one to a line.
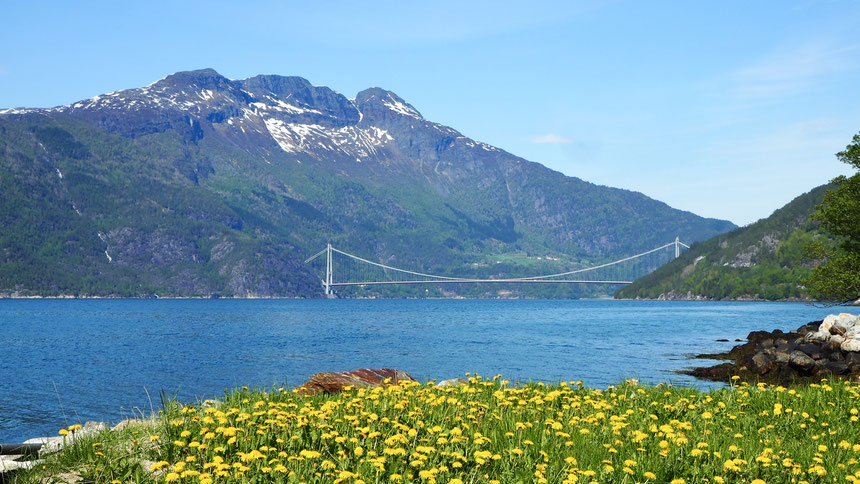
(293, 298)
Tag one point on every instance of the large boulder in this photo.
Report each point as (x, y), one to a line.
(802, 363)
(819, 336)
(810, 349)
(818, 348)
(852, 344)
(760, 363)
(845, 321)
(837, 367)
(828, 322)
(334, 382)
(853, 360)
(780, 357)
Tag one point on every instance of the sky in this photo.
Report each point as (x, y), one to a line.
(727, 109)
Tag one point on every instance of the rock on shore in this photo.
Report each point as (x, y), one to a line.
(333, 382)
(813, 351)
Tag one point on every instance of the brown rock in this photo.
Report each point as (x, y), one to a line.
(760, 363)
(334, 382)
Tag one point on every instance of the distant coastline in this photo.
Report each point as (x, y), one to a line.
(515, 298)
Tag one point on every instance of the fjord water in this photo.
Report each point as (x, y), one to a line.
(69, 361)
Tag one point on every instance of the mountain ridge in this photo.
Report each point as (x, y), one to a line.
(764, 260)
(294, 166)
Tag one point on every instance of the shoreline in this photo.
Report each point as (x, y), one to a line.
(297, 298)
(816, 350)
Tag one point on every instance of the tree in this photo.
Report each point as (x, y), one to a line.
(838, 278)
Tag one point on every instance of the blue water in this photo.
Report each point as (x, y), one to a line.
(69, 361)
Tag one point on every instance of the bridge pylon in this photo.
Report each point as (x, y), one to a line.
(328, 270)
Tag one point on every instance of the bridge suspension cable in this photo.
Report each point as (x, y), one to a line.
(353, 270)
(601, 266)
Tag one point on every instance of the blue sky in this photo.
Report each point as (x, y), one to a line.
(728, 109)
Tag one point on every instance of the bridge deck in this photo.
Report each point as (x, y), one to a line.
(457, 281)
(356, 269)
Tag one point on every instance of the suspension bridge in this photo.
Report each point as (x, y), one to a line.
(345, 269)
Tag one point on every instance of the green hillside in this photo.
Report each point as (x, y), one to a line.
(764, 260)
(203, 186)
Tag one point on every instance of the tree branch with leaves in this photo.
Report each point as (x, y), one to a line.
(838, 278)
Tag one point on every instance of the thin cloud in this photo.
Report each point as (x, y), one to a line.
(551, 139)
(802, 143)
(790, 73)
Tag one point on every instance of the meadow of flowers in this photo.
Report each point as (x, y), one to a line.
(488, 431)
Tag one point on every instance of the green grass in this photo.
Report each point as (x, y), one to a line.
(487, 431)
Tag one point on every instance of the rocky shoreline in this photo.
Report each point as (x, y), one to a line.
(689, 296)
(816, 350)
(9, 463)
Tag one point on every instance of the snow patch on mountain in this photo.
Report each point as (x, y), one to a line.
(350, 140)
(400, 108)
(297, 123)
(281, 134)
(20, 111)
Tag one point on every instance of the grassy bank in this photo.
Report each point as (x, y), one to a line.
(487, 431)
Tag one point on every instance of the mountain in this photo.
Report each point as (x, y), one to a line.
(764, 260)
(198, 185)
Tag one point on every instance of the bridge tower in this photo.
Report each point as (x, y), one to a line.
(328, 270)
(677, 246)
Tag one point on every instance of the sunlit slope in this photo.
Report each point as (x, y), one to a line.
(764, 260)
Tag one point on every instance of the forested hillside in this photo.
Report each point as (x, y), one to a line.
(198, 185)
(765, 260)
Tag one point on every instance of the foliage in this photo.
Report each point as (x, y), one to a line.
(87, 213)
(765, 260)
(488, 431)
(838, 279)
(61, 142)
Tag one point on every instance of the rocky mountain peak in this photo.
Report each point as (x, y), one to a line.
(376, 102)
(296, 94)
(202, 78)
(280, 85)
